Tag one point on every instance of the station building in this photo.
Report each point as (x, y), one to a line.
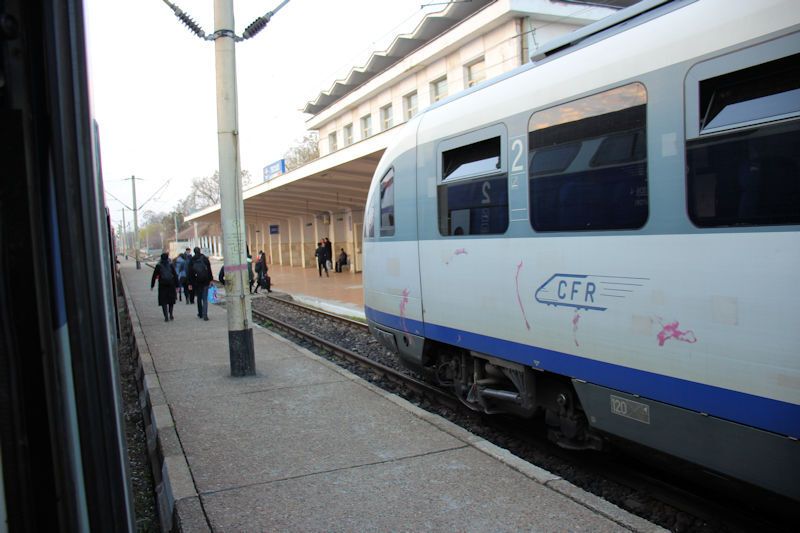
(358, 116)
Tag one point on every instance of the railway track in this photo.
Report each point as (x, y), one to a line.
(397, 377)
(627, 478)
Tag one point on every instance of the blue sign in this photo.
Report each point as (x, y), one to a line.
(275, 169)
(273, 229)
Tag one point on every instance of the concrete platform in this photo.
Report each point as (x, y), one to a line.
(341, 292)
(307, 446)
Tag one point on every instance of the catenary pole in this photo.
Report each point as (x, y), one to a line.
(135, 225)
(124, 236)
(240, 331)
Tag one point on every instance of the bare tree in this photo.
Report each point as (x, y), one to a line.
(304, 151)
(204, 192)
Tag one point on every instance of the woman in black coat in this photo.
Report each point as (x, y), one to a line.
(167, 285)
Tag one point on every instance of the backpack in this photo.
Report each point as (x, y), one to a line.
(200, 270)
(165, 276)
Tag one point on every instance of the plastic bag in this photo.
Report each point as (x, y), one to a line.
(213, 296)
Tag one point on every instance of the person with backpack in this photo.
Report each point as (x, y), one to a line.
(199, 275)
(180, 268)
(167, 278)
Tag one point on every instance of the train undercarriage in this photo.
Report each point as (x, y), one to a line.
(491, 385)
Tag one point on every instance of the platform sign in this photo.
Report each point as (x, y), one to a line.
(273, 229)
(275, 169)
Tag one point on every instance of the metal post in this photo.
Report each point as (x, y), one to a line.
(240, 332)
(135, 225)
(175, 215)
(124, 235)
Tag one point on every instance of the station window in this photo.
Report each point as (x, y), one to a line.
(387, 204)
(744, 167)
(387, 120)
(332, 146)
(475, 72)
(438, 89)
(473, 192)
(410, 105)
(347, 133)
(366, 126)
(588, 163)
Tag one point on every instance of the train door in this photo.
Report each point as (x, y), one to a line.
(465, 200)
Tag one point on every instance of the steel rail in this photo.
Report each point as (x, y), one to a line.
(420, 387)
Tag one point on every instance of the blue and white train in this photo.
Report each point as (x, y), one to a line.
(609, 235)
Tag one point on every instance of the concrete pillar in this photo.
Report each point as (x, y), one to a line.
(279, 241)
(302, 223)
(291, 241)
(263, 245)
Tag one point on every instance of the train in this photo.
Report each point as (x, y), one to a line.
(607, 238)
(62, 430)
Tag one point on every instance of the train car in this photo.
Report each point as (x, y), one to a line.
(608, 236)
(62, 434)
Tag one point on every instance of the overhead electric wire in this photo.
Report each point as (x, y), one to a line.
(117, 199)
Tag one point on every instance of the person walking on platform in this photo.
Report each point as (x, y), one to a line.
(322, 258)
(187, 291)
(200, 277)
(180, 268)
(341, 261)
(250, 277)
(259, 267)
(262, 279)
(167, 278)
(328, 252)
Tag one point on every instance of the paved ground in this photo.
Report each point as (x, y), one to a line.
(306, 446)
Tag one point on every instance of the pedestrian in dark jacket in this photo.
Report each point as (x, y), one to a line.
(322, 258)
(187, 257)
(261, 271)
(200, 276)
(167, 278)
(264, 281)
(328, 252)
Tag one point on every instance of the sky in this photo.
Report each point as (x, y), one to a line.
(153, 90)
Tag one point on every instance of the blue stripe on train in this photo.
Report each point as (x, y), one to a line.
(771, 415)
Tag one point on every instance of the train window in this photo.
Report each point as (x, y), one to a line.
(473, 194)
(387, 204)
(476, 158)
(768, 91)
(588, 166)
(746, 170)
